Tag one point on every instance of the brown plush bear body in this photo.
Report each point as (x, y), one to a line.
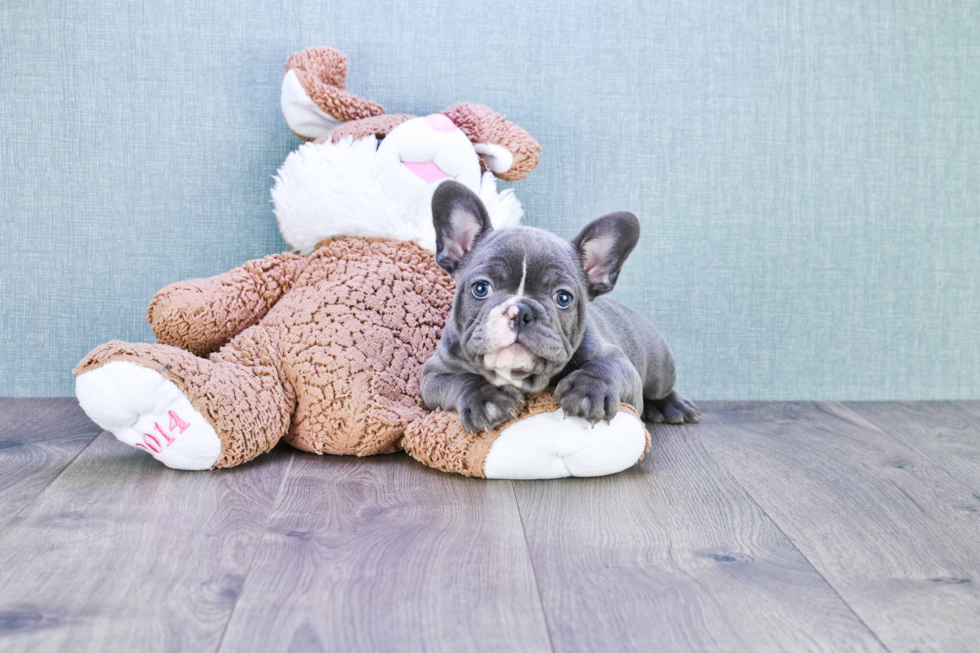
(358, 328)
(324, 350)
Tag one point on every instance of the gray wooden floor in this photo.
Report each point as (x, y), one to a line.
(767, 527)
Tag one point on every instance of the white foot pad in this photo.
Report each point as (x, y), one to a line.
(550, 446)
(145, 410)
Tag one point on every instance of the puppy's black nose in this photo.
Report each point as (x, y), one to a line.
(523, 317)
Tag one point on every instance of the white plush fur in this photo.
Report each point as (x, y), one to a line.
(360, 188)
(549, 446)
(134, 403)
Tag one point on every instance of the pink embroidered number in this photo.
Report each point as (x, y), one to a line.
(150, 441)
(166, 437)
(146, 443)
(176, 422)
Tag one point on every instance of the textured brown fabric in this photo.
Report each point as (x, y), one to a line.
(439, 441)
(481, 124)
(378, 126)
(360, 323)
(337, 360)
(201, 315)
(323, 74)
(242, 390)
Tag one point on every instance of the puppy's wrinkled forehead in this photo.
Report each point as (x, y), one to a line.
(525, 254)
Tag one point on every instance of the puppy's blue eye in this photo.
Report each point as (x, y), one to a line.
(563, 298)
(482, 289)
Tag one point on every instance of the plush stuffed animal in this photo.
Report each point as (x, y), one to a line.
(324, 346)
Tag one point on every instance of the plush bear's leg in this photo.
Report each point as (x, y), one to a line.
(190, 412)
(538, 444)
(143, 409)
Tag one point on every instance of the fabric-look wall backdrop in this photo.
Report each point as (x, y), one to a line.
(807, 173)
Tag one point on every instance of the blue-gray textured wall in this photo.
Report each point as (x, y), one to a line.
(807, 172)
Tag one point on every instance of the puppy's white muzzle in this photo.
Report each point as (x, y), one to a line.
(508, 356)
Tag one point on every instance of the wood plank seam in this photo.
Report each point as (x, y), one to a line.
(389, 555)
(534, 573)
(909, 444)
(874, 514)
(5, 530)
(789, 539)
(672, 555)
(258, 546)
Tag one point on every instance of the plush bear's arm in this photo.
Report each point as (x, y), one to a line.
(538, 443)
(201, 315)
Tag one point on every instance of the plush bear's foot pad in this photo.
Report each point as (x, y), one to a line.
(145, 410)
(549, 445)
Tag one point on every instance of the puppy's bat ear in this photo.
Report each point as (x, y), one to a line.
(460, 220)
(603, 246)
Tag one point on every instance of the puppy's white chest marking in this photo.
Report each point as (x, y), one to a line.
(505, 362)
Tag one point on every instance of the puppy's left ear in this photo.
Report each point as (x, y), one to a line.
(461, 221)
(603, 246)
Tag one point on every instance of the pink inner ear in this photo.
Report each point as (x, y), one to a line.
(465, 230)
(440, 122)
(592, 261)
(596, 256)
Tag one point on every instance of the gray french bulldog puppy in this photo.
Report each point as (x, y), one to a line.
(525, 316)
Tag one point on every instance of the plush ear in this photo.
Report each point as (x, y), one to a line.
(460, 220)
(314, 98)
(497, 158)
(603, 246)
(508, 151)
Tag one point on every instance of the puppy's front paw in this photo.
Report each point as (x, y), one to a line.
(588, 397)
(487, 406)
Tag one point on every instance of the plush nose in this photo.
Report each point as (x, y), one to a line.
(523, 317)
(440, 122)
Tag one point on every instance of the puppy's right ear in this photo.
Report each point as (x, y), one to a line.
(603, 246)
(461, 221)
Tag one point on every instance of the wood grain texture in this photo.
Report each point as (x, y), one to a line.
(721, 540)
(945, 432)
(672, 555)
(123, 554)
(893, 533)
(972, 407)
(38, 439)
(386, 555)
